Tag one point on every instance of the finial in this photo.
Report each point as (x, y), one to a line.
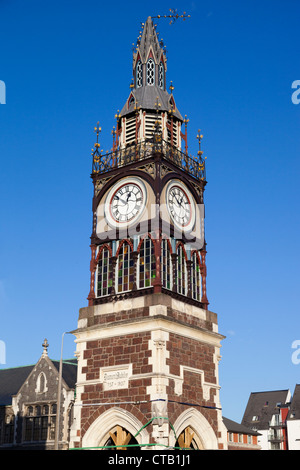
(171, 88)
(199, 137)
(131, 84)
(45, 346)
(157, 105)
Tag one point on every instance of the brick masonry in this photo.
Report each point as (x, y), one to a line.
(171, 351)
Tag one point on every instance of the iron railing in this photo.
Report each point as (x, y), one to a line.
(137, 151)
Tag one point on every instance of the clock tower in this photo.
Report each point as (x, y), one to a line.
(148, 347)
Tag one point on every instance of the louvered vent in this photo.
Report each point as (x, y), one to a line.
(150, 122)
(130, 130)
(175, 136)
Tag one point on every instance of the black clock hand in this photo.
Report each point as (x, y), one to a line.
(119, 199)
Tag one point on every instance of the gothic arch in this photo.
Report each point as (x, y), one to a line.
(98, 433)
(204, 435)
(178, 245)
(143, 237)
(103, 247)
(122, 242)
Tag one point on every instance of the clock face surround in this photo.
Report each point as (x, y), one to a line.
(125, 202)
(180, 205)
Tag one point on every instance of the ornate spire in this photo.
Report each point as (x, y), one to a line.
(148, 43)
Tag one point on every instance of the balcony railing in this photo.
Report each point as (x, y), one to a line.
(275, 437)
(137, 151)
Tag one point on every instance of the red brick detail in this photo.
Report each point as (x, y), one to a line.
(128, 349)
(192, 353)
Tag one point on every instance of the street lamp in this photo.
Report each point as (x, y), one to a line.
(59, 392)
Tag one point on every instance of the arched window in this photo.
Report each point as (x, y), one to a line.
(125, 269)
(181, 271)
(196, 278)
(161, 76)
(166, 265)
(150, 72)
(139, 74)
(41, 383)
(104, 273)
(147, 266)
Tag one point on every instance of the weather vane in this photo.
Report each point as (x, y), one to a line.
(173, 16)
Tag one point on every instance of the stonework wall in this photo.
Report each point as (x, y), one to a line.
(159, 353)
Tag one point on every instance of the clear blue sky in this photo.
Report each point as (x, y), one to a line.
(66, 65)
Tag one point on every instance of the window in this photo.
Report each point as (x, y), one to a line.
(147, 266)
(150, 72)
(125, 269)
(196, 278)
(39, 423)
(166, 265)
(41, 383)
(161, 76)
(139, 74)
(104, 273)
(7, 430)
(181, 271)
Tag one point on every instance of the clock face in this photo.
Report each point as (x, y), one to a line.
(125, 202)
(180, 205)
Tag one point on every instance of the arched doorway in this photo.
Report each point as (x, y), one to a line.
(193, 431)
(115, 427)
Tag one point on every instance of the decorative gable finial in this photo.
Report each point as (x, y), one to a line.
(45, 346)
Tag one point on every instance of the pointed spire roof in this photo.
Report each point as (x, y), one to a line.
(149, 41)
(146, 96)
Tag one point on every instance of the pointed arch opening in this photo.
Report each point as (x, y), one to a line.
(98, 434)
(125, 267)
(146, 263)
(181, 270)
(201, 431)
(139, 74)
(150, 72)
(166, 264)
(161, 76)
(104, 273)
(196, 278)
(121, 439)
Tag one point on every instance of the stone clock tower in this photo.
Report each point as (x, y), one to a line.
(148, 347)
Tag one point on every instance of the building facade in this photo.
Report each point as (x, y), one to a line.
(29, 404)
(293, 421)
(267, 413)
(240, 437)
(148, 347)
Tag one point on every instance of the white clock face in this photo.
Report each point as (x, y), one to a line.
(125, 202)
(180, 205)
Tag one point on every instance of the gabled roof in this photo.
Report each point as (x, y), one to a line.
(232, 426)
(11, 380)
(294, 412)
(69, 371)
(262, 406)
